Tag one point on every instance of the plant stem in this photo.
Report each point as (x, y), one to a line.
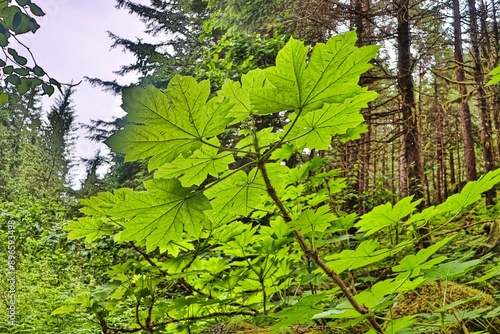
(313, 255)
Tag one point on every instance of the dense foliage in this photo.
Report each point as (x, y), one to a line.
(235, 229)
(18, 70)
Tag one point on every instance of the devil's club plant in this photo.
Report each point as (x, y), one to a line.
(239, 220)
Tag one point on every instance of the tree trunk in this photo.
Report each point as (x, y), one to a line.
(359, 151)
(403, 170)
(408, 111)
(453, 179)
(465, 116)
(407, 105)
(493, 56)
(496, 34)
(440, 153)
(484, 112)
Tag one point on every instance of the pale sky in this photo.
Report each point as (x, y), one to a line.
(72, 43)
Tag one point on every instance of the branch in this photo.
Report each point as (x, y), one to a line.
(313, 255)
(188, 287)
(159, 324)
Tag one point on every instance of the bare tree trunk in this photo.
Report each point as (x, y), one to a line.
(493, 56)
(360, 151)
(408, 111)
(496, 34)
(393, 172)
(496, 115)
(453, 178)
(465, 116)
(484, 112)
(407, 106)
(440, 153)
(403, 173)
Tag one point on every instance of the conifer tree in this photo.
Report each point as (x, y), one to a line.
(60, 138)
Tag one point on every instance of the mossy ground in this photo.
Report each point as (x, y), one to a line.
(432, 301)
(247, 328)
(435, 300)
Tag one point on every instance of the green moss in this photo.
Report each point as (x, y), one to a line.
(428, 300)
(247, 328)
(433, 298)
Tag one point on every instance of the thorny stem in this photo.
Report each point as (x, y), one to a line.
(313, 255)
(183, 282)
(173, 321)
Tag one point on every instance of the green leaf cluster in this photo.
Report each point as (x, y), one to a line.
(232, 224)
(17, 19)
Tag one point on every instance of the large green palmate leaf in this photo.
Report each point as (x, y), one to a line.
(310, 220)
(454, 204)
(330, 75)
(316, 129)
(166, 124)
(239, 93)
(412, 265)
(89, 228)
(301, 312)
(471, 193)
(97, 210)
(386, 215)
(237, 194)
(101, 204)
(195, 168)
(366, 253)
(166, 212)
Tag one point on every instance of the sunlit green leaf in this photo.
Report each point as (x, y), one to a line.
(314, 220)
(413, 264)
(366, 253)
(195, 168)
(450, 270)
(168, 124)
(495, 76)
(386, 215)
(329, 76)
(4, 98)
(239, 193)
(301, 312)
(264, 137)
(239, 93)
(103, 203)
(471, 193)
(396, 326)
(166, 212)
(89, 228)
(65, 309)
(8, 14)
(316, 129)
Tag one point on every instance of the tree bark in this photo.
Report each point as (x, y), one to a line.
(465, 115)
(440, 152)
(484, 112)
(407, 108)
(358, 153)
